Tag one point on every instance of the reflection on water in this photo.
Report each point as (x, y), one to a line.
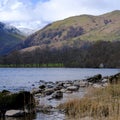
(54, 116)
(38, 116)
(27, 117)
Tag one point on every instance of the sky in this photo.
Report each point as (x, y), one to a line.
(35, 14)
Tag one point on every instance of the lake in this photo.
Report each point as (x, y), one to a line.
(15, 79)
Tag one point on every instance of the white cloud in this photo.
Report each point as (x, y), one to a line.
(36, 13)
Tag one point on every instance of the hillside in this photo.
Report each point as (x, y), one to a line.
(10, 37)
(80, 41)
(73, 30)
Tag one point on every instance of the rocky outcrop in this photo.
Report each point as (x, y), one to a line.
(114, 79)
(49, 91)
(16, 101)
(95, 79)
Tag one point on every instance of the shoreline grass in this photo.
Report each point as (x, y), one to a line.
(97, 104)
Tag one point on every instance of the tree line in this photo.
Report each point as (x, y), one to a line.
(99, 53)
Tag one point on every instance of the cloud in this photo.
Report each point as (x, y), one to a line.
(37, 13)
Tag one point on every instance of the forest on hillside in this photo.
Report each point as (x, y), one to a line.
(97, 54)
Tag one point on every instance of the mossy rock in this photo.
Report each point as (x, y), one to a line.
(22, 100)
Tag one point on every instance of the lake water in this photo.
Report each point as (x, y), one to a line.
(15, 79)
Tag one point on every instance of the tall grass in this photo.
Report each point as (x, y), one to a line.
(98, 104)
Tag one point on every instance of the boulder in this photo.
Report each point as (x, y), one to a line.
(81, 83)
(67, 85)
(68, 92)
(35, 91)
(38, 95)
(42, 86)
(59, 83)
(76, 83)
(57, 95)
(114, 79)
(95, 79)
(21, 100)
(48, 91)
(73, 88)
(63, 90)
(6, 92)
(58, 88)
(84, 84)
(14, 113)
(104, 80)
(50, 85)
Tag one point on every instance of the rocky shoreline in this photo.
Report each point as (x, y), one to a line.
(50, 94)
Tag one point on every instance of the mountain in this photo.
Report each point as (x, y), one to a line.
(79, 41)
(10, 37)
(27, 31)
(75, 30)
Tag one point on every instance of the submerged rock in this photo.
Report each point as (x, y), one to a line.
(44, 108)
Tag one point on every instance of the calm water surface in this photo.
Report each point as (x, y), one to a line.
(26, 78)
(15, 79)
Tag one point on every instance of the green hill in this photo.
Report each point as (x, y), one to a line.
(72, 30)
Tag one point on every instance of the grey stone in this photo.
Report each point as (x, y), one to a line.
(67, 85)
(43, 86)
(57, 95)
(95, 79)
(14, 113)
(104, 80)
(48, 91)
(84, 83)
(72, 88)
(97, 85)
(36, 90)
(68, 92)
(44, 108)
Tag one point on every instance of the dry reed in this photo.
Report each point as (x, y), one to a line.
(98, 104)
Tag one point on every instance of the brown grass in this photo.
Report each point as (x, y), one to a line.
(100, 104)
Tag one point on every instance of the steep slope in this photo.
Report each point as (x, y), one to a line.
(75, 30)
(10, 37)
